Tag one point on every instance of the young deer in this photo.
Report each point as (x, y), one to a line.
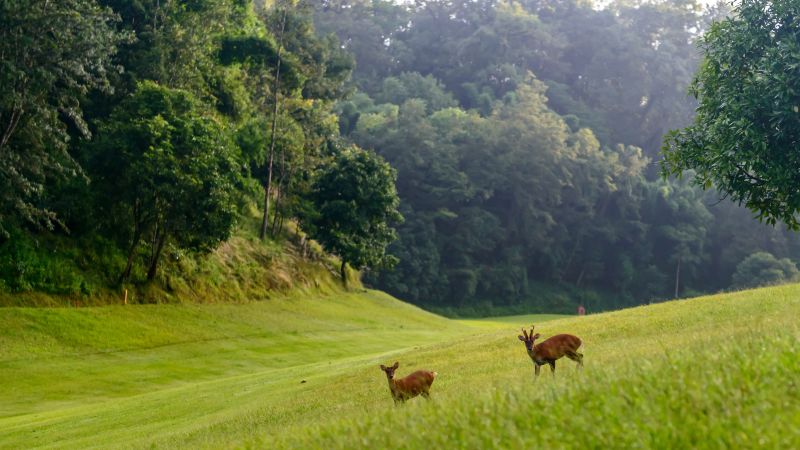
(411, 386)
(551, 349)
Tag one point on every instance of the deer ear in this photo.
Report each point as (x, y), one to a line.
(396, 365)
(383, 367)
(536, 336)
(521, 338)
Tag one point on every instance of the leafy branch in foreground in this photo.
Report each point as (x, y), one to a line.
(745, 137)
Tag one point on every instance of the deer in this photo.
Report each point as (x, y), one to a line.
(551, 349)
(417, 383)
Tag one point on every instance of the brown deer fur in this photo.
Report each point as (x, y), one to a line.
(551, 349)
(418, 383)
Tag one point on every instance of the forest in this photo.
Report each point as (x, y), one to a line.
(135, 132)
(469, 156)
(526, 136)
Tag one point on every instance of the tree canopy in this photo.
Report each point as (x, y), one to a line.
(526, 138)
(355, 205)
(519, 140)
(52, 54)
(168, 171)
(745, 135)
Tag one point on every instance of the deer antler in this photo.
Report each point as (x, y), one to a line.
(524, 333)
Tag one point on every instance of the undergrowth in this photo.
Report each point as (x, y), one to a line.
(47, 269)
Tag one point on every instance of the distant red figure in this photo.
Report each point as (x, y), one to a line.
(581, 310)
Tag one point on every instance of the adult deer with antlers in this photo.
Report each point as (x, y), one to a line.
(551, 349)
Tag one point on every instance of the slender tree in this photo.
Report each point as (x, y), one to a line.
(276, 86)
(355, 207)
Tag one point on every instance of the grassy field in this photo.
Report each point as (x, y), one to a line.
(504, 321)
(714, 372)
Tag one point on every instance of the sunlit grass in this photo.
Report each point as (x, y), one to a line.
(120, 370)
(715, 372)
(504, 321)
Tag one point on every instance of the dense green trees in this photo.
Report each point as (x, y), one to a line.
(355, 204)
(621, 71)
(172, 114)
(761, 269)
(526, 136)
(522, 138)
(169, 173)
(52, 54)
(745, 135)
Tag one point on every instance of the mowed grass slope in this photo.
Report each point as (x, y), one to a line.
(119, 375)
(712, 372)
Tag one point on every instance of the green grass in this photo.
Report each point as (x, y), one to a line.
(59, 365)
(715, 372)
(503, 321)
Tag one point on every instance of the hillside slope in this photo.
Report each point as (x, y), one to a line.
(712, 372)
(709, 372)
(51, 270)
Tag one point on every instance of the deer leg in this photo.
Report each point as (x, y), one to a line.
(577, 357)
(552, 367)
(536, 370)
(426, 394)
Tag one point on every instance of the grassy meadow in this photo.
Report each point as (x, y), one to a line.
(302, 372)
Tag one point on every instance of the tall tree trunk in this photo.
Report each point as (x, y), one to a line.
(277, 214)
(580, 277)
(16, 115)
(137, 236)
(138, 228)
(276, 88)
(161, 240)
(677, 277)
(265, 219)
(280, 224)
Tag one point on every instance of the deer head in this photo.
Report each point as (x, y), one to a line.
(528, 338)
(390, 370)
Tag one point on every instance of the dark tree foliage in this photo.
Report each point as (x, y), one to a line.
(521, 139)
(622, 71)
(509, 184)
(355, 207)
(169, 173)
(173, 102)
(52, 54)
(762, 269)
(745, 136)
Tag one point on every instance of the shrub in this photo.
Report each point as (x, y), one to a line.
(761, 269)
